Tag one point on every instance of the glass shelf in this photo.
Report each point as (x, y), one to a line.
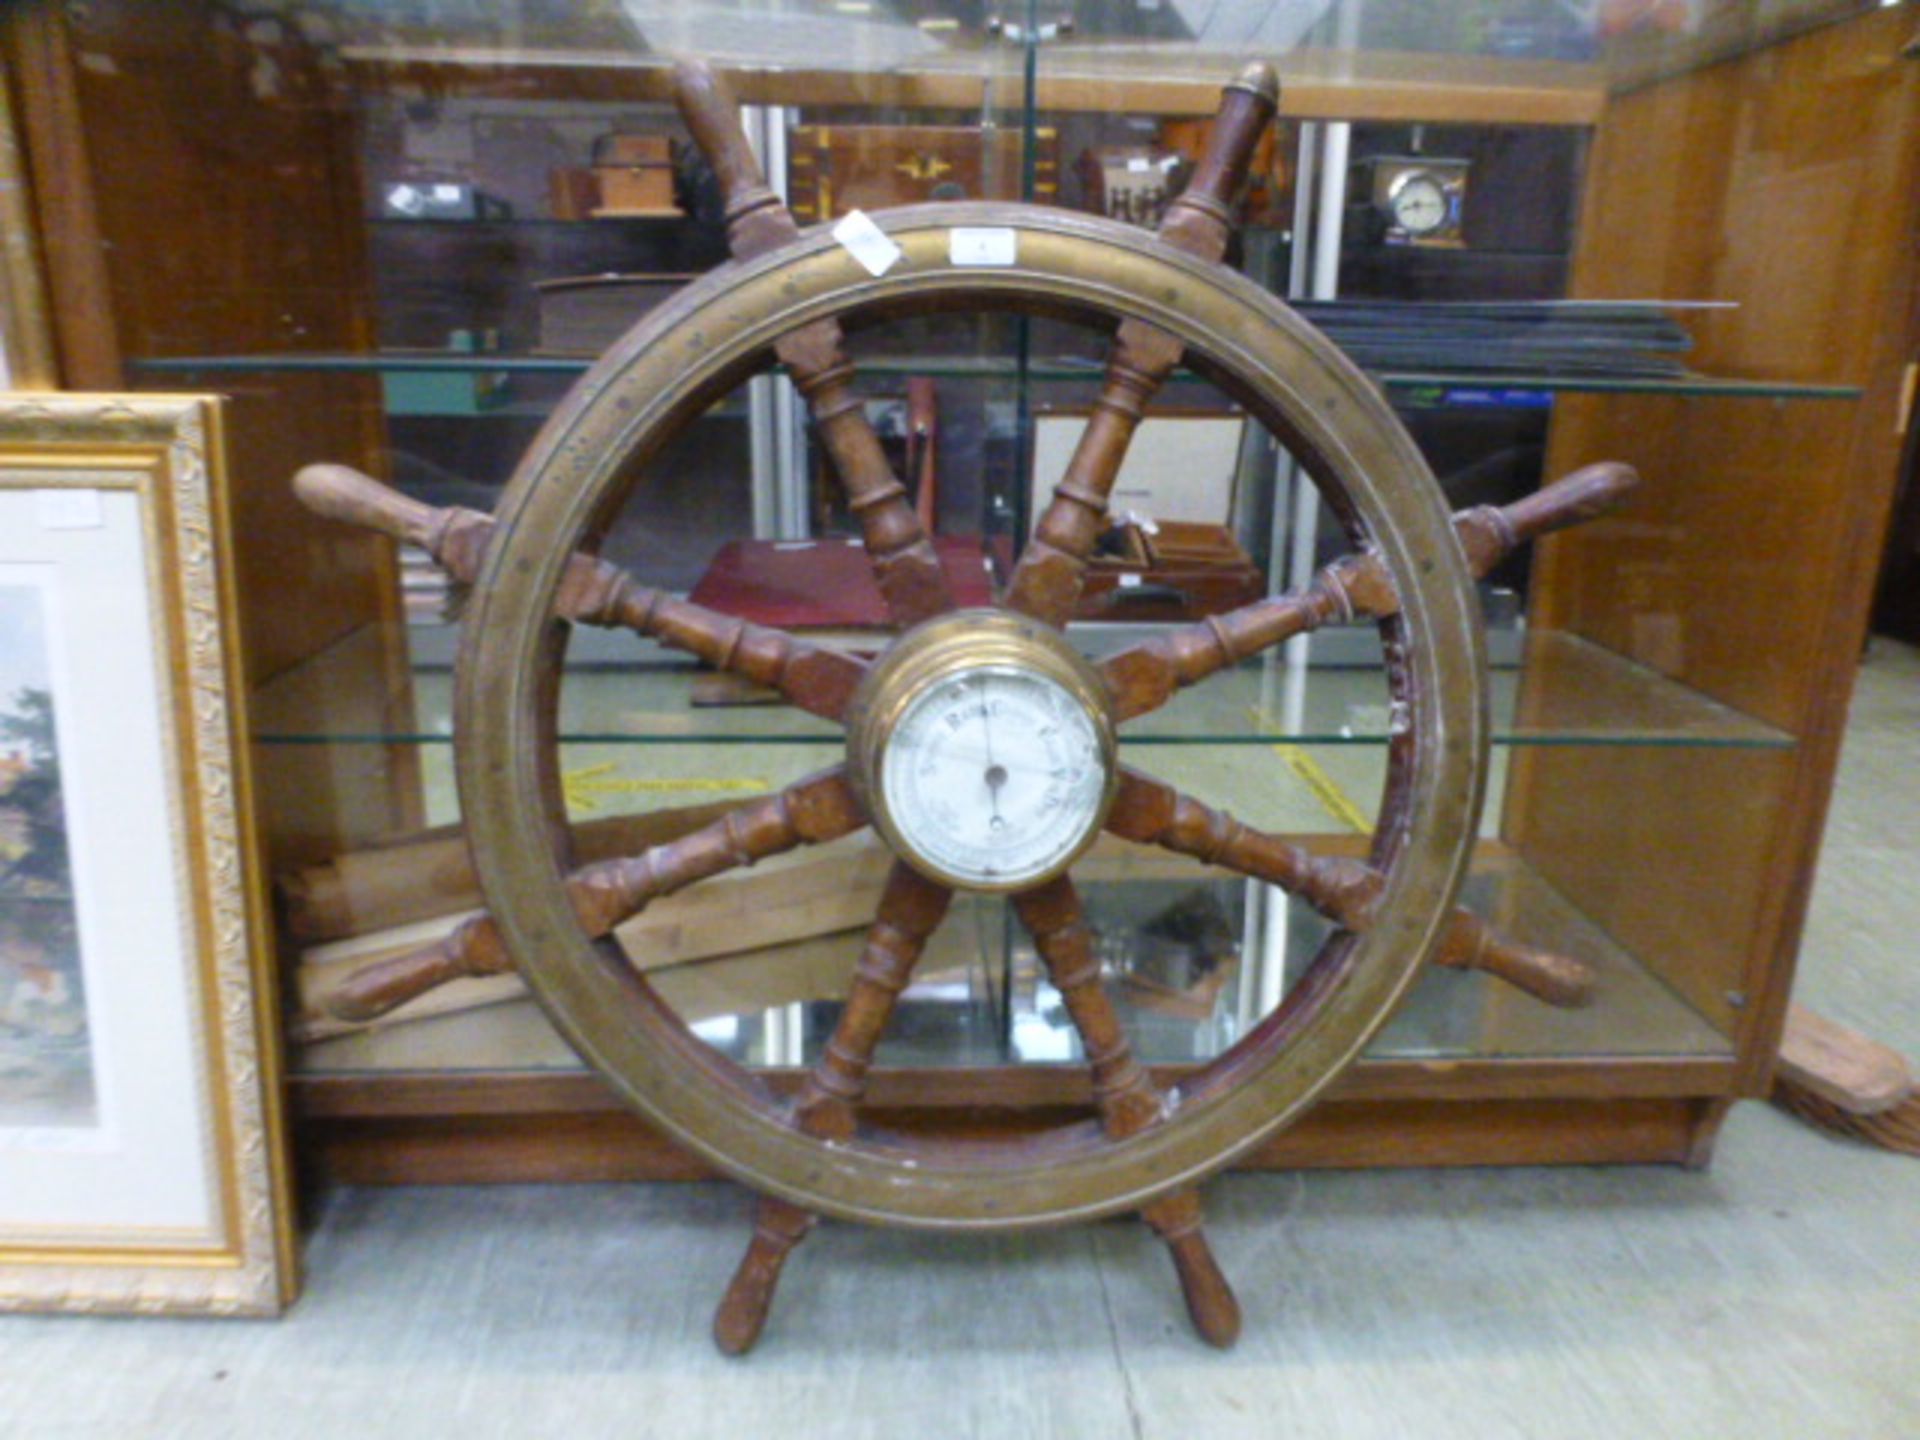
(979, 997)
(1602, 699)
(1093, 73)
(1544, 65)
(1707, 386)
(388, 363)
(523, 222)
(994, 367)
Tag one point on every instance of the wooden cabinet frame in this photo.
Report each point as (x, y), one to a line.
(1680, 169)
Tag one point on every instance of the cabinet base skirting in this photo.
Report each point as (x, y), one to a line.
(603, 1145)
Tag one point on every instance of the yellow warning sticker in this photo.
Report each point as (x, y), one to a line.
(591, 786)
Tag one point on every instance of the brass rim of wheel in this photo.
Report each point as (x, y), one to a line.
(698, 347)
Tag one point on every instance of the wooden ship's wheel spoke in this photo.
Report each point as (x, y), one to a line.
(907, 570)
(1123, 1092)
(814, 678)
(1046, 583)
(911, 909)
(1125, 1095)
(812, 811)
(742, 1313)
(1342, 888)
(1145, 676)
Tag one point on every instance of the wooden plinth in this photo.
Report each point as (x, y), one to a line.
(568, 1128)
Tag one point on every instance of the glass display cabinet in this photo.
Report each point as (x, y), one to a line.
(396, 235)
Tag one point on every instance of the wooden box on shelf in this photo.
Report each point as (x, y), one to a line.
(634, 176)
(1170, 570)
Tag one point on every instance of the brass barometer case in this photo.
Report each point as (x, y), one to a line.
(969, 648)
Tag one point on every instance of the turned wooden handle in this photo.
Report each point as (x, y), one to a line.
(431, 874)
(911, 579)
(1146, 675)
(756, 220)
(1488, 535)
(593, 592)
(1587, 493)
(1247, 103)
(1211, 1303)
(742, 1315)
(474, 948)
(814, 810)
(1200, 217)
(1342, 888)
(455, 537)
(1559, 980)
(386, 985)
(1048, 580)
(342, 493)
(713, 117)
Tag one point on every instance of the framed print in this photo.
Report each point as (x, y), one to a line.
(142, 1164)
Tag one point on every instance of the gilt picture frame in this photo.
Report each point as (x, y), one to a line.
(143, 1164)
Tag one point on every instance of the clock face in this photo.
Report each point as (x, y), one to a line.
(1419, 204)
(993, 777)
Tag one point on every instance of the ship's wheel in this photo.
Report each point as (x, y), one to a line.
(981, 746)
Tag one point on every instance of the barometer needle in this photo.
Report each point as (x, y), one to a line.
(996, 777)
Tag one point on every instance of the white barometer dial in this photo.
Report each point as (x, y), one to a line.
(986, 757)
(994, 776)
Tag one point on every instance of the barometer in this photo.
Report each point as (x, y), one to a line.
(983, 749)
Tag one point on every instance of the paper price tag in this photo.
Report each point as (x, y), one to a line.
(982, 245)
(68, 509)
(867, 243)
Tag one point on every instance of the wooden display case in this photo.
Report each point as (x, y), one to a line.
(1665, 735)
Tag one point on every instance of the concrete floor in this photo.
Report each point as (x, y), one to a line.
(1777, 1294)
